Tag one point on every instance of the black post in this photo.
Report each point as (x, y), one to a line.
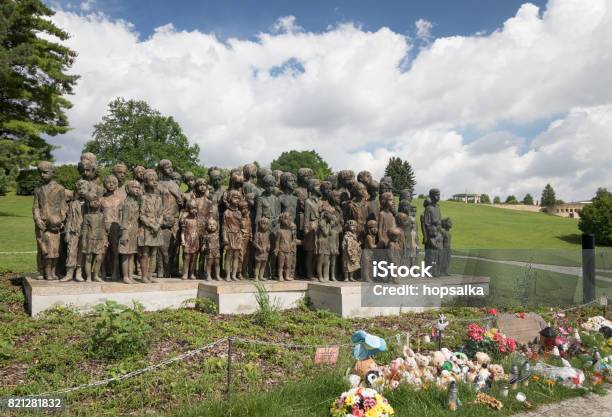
(588, 267)
(229, 368)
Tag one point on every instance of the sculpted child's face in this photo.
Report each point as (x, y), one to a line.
(193, 211)
(191, 182)
(120, 174)
(215, 179)
(212, 227)
(89, 172)
(167, 169)
(235, 200)
(81, 189)
(202, 188)
(46, 174)
(264, 226)
(139, 174)
(373, 230)
(135, 190)
(110, 185)
(150, 182)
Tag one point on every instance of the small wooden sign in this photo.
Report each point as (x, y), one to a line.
(326, 355)
(523, 330)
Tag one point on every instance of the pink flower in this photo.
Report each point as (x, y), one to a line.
(369, 403)
(511, 344)
(357, 412)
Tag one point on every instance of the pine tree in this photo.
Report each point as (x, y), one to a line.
(548, 196)
(33, 81)
(402, 175)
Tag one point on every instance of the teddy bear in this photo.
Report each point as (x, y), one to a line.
(497, 372)
(437, 359)
(482, 358)
(445, 379)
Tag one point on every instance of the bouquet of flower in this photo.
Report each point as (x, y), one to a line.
(481, 339)
(361, 402)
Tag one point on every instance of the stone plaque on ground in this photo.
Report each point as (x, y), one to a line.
(523, 329)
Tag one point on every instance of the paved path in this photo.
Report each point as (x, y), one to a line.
(567, 270)
(587, 406)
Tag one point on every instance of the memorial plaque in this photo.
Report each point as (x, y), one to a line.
(326, 355)
(522, 329)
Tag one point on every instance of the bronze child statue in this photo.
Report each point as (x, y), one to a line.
(246, 230)
(190, 240)
(322, 244)
(445, 257)
(386, 217)
(49, 212)
(285, 247)
(74, 222)
(371, 238)
(128, 223)
(110, 203)
(93, 238)
(261, 247)
(232, 235)
(151, 217)
(311, 224)
(351, 251)
(212, 249)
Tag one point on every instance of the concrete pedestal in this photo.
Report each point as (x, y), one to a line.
(240, 297)
(342, 298)
(83, 296)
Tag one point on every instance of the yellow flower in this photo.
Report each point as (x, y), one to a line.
(349, 400)
(550, 382)
(371, 413)
(535, 378)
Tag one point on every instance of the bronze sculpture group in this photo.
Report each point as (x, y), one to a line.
(277, 226)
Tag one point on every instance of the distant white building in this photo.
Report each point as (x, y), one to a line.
(467, 198)
(567, 209)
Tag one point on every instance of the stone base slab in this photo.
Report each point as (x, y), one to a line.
(241, 297)
(342, 298)
(83, 296)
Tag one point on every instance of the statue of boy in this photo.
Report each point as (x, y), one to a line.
(120, 172)
(93, 238)
(216, 190)
(110, 202)
(151, 218)
(88, 168)
(312, 207)
(288, 199)
(351, 251)
(172, 201)
(74, 222)
(128, 222)
(49, 212)
(447, 224)
(268, 205)
(285, 247)
(386, 218)
(232, 234)
(431, 222)
(365, 177)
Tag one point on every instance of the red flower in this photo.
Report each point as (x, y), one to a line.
(492, 312)
(520, 315)
(511, 344)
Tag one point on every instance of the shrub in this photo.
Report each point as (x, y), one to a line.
(267, 311)
(121, 331)
(596, 218)
(67, 175)
(27, 180)
(206, 305)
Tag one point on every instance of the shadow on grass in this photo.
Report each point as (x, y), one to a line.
(8, 214)
(574, 238)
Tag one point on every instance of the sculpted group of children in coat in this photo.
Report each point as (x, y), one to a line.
(264, 224)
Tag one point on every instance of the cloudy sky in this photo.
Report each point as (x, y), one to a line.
(496, 97)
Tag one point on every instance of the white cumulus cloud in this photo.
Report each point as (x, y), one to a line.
(455, 112)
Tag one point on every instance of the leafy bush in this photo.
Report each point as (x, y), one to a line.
(267, 311)
(596, 218)
(67, 175)
(496, 200)
(121, 331)
(27, 180)
(206, 305)
(5, 182)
